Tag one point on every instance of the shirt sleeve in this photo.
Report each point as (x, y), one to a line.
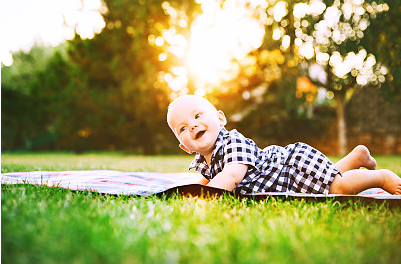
(240, 150)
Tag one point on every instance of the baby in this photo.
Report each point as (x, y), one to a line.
(228, 160)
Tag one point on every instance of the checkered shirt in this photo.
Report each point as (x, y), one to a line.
(295, 168)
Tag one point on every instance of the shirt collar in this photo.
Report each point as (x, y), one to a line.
(219, 142)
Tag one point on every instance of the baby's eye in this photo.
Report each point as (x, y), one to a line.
(197, 116)
(182, 129)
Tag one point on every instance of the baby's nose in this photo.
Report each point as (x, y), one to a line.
(195, 125)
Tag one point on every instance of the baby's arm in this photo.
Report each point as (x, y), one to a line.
(229, 177)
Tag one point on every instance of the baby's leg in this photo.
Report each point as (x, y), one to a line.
(358, 157)
(355, 181)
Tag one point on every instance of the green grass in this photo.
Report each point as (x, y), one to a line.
(50, 225)
(103, 161)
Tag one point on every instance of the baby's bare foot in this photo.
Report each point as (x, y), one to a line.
(392, 183)
(364, 157)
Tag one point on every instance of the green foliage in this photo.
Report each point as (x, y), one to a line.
(102, 95)
(383, 38)
(105, 93)
(275, 115)
(26, 104)
(122, 108)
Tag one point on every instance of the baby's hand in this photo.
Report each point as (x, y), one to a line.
(229, 177)
(203, 181)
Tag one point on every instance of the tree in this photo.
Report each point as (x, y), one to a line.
(382, 38)
(105, 93)
(112, 91)
(319, 39)
(328, 33)
(261, 99)
(126, 102)
(26, 107)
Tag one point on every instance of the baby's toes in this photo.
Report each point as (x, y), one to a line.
(398, 190)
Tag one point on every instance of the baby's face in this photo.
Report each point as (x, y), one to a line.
(195, 123)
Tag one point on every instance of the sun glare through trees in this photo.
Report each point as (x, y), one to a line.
(299, 61)
(220, 37)
(225, 32)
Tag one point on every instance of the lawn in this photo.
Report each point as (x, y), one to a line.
(50, 225)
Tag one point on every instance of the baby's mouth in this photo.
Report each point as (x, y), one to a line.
(199, 134)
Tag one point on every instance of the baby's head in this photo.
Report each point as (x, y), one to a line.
(195, 122)
(184, 103)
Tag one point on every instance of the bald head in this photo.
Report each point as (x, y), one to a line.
(182, 102)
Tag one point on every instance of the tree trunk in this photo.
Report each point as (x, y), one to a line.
(341, 127)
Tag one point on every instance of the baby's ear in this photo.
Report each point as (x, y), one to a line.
(185, 149)
(222, 118)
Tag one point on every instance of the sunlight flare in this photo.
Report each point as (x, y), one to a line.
(222, 34)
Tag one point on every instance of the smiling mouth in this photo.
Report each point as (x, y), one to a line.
(199, 134)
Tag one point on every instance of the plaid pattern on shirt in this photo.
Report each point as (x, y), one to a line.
(297, 167)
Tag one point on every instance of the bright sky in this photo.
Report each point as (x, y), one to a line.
(221, 34)
(49, 22)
